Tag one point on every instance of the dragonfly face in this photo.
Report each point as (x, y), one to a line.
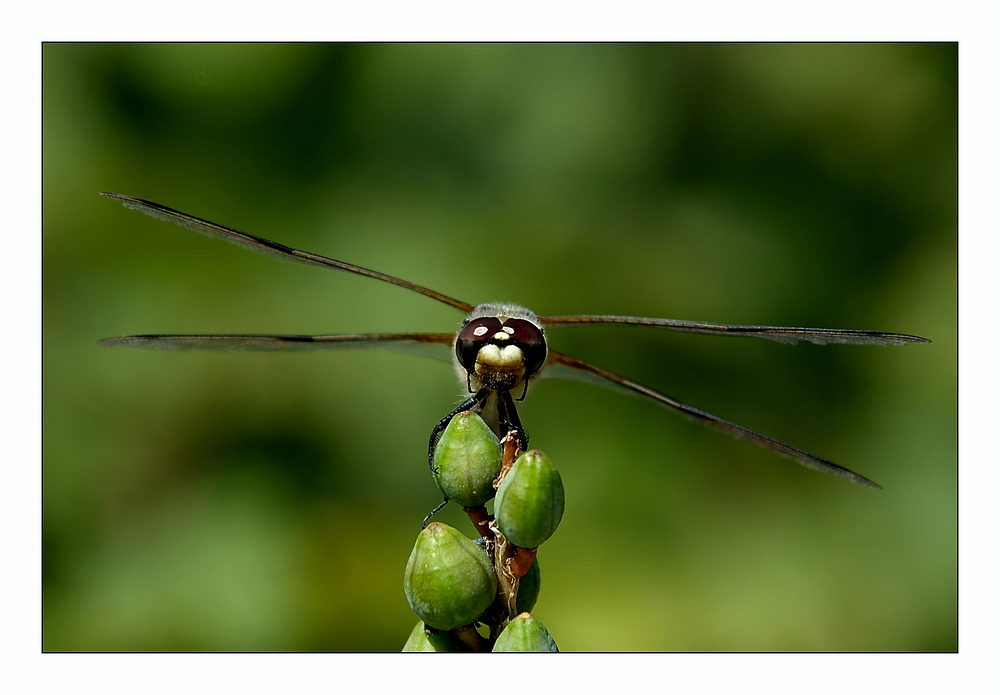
(500, 348)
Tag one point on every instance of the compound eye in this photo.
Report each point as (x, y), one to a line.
(473, 336)
(532, 342)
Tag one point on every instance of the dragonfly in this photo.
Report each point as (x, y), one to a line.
(500, 348)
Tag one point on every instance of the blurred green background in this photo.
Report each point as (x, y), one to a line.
(213, 501)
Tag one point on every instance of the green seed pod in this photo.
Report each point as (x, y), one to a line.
(467, 458)
(421, 641)
(530, 500)
(448, 581)
(528, 588)
(525, 634)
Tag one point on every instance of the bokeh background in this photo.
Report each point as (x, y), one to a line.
(218, 501)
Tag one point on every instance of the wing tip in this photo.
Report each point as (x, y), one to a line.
(116, 341)
(862, 480)
(128, 201)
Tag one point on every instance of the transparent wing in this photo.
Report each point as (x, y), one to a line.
(821, 336)
(564, 366)
(437, 345)
(271, 248)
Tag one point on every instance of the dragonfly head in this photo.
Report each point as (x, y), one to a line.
(501, 346)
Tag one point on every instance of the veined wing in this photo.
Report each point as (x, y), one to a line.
(271, 248)
(437, 345)
(821, 336)
(569, 367)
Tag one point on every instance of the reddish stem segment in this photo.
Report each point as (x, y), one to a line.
(480, 519)
(520, 562)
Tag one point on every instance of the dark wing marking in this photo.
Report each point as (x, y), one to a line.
(780, 334)
(570, 367)
(271, 248)
(424, 343)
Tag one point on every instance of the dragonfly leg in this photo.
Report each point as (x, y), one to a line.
(468, 404)
(509, 419)
(433, 512)
(524, 392)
